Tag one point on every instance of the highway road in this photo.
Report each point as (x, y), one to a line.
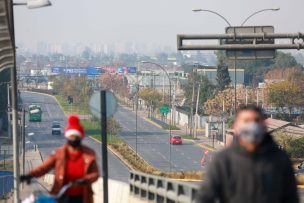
(48, 142)
(153, 144)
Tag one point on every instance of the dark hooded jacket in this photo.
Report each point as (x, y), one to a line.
(237, 176)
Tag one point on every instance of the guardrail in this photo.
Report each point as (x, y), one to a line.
(6, 185)
(161, 190)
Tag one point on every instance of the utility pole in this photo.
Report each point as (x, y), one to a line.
(196, 110)
(223, 123)
(246, 97)
(163, 87)
(173, 105)
(257, 96)
(192, 103)
(136, 112)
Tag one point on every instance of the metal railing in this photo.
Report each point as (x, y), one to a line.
(161, 190)
(6, 185)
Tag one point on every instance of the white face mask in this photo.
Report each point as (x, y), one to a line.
(252, 133)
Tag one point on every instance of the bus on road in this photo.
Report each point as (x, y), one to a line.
(35, 113)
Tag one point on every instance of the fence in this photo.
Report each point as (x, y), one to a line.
(6, 183)
(6, 155)
(161, 190)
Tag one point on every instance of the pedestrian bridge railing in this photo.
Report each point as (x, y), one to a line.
(161, 190)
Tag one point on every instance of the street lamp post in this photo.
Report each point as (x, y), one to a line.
(31, 4)
(136, 112)
(170, 123)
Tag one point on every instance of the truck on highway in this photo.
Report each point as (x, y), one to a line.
(35, 113)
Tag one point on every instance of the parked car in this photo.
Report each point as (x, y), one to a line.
(176, 140)
(56, 128)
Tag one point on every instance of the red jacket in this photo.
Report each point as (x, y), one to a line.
(57, 161)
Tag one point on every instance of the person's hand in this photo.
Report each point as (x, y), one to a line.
(26, 178)
(79, 181)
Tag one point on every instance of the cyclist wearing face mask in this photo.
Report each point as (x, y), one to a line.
(72, 162)
(252, 169)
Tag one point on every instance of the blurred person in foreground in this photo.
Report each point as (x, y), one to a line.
(252, 169)
(72, 162)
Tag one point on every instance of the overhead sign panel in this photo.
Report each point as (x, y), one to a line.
(76, 70)
(131, 70)
(249, 54)
(124, 70)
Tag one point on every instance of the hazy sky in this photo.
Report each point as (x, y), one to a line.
(144, 21)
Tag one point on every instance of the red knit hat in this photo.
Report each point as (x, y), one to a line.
(74, 127)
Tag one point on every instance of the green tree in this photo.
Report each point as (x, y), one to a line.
(222, 76)
(255, 69)
(79, 88)
(207, 89)
(151, 97)
(285, 94)
(284, 60)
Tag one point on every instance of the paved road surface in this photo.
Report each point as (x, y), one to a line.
(153, 144)
(47, 142)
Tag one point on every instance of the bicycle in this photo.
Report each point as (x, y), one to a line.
(39, 197)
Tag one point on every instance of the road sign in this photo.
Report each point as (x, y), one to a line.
(131, 70)
(249, 54)
(111, 104)
(76, 70)
(164, 109)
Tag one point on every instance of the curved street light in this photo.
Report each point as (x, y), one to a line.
(260, 11)
(170, 123)
(225, 19)
(210, 11)
(32, 4)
